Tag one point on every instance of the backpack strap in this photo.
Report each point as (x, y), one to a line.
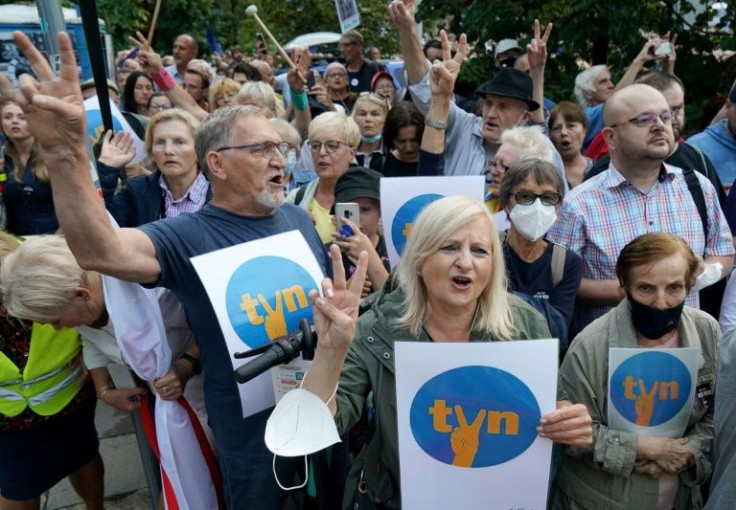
(693, 185)
(300, 195)
(559, 253)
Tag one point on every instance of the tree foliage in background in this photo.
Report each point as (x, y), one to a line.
(285, 18)
(597, 32)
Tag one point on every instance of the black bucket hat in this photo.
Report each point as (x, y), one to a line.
(510, 82)
(358, 182)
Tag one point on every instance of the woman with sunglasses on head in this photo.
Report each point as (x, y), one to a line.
(530, 193)
(335, 93)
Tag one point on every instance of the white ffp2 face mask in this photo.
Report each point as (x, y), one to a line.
(534, 220)
(300, 424)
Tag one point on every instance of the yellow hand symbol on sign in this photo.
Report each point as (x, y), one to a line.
(464, 439)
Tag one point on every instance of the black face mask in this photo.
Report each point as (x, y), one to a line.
(651, 322)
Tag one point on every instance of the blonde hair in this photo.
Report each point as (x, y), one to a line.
(39, 278)
(261, 92)
(372, 98)
(287, 132)
(164, 116)
(530, 141)
(8, 243)
(337, 121)
(35, 161)
(438, 221)
(220, 87)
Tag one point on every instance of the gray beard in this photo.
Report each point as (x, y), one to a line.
(267, 200)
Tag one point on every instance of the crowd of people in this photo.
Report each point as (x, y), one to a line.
(603, 225)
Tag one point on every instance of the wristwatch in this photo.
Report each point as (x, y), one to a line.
(196, 365)
(434, 123)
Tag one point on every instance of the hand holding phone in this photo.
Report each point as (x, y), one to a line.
(349, 211)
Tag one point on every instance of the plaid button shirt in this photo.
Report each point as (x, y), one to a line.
(192, 201)
(602, 215)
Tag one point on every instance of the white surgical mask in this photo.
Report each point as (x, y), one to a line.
(534, 220)
(300, 424)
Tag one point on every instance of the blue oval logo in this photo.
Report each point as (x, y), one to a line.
(650, 388)
(266, 298)
(474, 416)
(405, 216)
(95, 127)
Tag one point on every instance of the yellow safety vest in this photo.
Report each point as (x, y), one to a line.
(51, 378)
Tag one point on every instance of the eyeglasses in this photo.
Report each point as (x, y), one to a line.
(265, 150)
(347, 43)
(498, 165)
(646, 120)
(527, 197)
(330, 146)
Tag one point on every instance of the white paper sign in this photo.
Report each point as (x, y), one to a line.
(95, 127)
(651, 391)
(402, 198)
(467, 416)
(259, 291)
(347, 13)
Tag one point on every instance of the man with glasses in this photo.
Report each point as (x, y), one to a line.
(360, 71)
(638, 194)
(243, 157)
(684, 154)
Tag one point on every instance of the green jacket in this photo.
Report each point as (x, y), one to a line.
(369, 366)
(602, 476)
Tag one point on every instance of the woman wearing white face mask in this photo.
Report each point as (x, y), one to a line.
(530, 193)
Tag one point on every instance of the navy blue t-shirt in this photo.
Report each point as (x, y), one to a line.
(535, 278)
(178, 239)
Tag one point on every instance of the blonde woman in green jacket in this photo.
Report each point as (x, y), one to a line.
(451, 285)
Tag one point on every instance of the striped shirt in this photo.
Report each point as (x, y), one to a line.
(192, 201)
(602, 215)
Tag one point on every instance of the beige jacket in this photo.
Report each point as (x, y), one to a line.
(602, 476)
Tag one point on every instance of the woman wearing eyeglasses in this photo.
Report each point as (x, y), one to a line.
(547, 275)
(335, 94)
(176, 186)
(333, 141)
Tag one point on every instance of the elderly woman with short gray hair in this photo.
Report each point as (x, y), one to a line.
(531, 192)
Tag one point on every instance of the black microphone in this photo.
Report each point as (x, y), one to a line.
(280, 351)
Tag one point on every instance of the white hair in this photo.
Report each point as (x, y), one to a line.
(530, 141)
(585, 82)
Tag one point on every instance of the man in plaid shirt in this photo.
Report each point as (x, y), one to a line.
(638, 194)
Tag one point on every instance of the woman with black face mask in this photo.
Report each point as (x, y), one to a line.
(653, 429)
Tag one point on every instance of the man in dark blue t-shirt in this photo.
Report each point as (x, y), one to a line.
(243, 159)
(245, 166)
